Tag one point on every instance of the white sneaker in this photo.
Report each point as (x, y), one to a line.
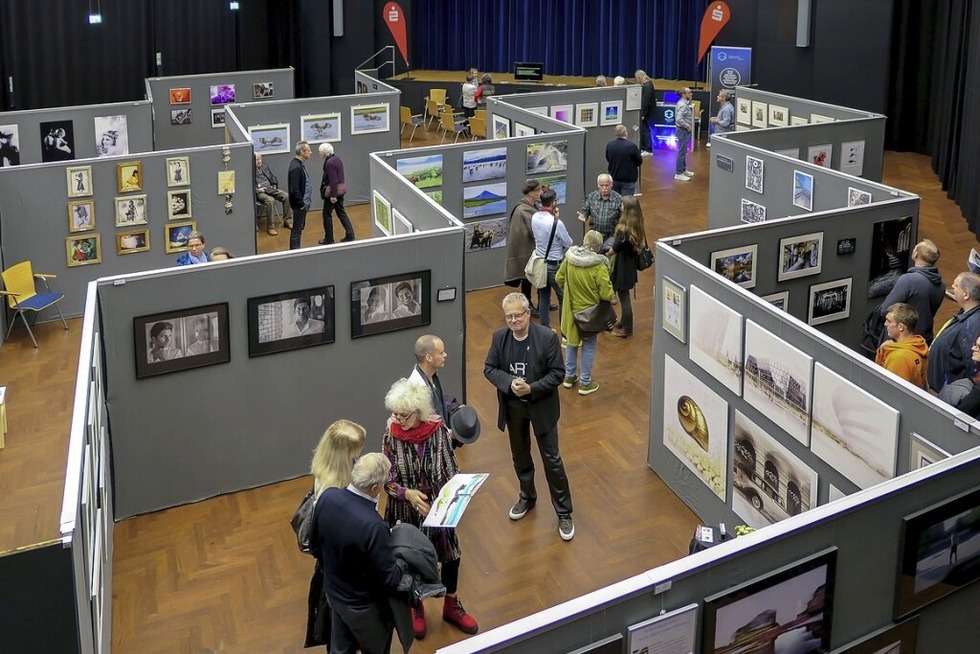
(708, 144)
(682, 178)
(646, 153)
(689, 173)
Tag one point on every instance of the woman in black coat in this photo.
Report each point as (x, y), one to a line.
(628, 240)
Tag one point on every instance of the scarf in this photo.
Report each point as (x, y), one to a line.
(416, 435)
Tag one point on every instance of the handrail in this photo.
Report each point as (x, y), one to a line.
(372, 57)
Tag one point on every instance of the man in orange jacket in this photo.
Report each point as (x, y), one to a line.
(904, 353)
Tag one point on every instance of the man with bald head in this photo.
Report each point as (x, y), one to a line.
(430, 358)
(624, 161)
(684, 122)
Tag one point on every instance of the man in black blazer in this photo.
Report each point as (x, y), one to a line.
(359, 569)
(525, 364)
(300, 192)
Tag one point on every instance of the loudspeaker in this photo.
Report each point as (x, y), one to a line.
(338, 17)
(803, 23)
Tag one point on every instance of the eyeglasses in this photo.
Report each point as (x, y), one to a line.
(402, 416)
(511, 317)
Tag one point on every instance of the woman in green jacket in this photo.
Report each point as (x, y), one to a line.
(584, 278)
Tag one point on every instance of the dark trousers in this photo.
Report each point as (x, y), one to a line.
(299, 223)
(626, 305)
(645, 141)
(366, 627)
(519, 432)
(526, 290)
(544, 295)
(328, 209)
(450, 576)
(624, 188)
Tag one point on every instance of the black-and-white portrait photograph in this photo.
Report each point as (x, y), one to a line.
(289, 321)
(181, 116)
(752, 212)
(111, 136)
(800, 256)
(9, 145)
(754, 172)
(178, 340)
(830, 301)
(57, 141)
(390, 303)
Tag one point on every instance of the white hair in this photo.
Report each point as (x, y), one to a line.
(370, 469)
(326, 149)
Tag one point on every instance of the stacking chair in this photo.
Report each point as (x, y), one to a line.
(478, 127)
(433, 110)
(22, 296)
(439, 95)
(481, 113)
(407, 118)
(449, 123)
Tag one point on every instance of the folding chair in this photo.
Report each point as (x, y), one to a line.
(407, 118)
(22, 296)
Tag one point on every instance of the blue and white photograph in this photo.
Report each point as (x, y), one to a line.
(480, 165)
(270, 139)
(484, 200)
(368, 118)
(424, 172)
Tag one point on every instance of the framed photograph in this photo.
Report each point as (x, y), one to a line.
(270, 139)
(291, 321)
(778, 116)
(793, 153)
(523, 130)
(179, 204)
(564, 113)
(181, 340)
(83, 250)
(541, 111)
(611, 113)
(484, 200)
(587, 114)
(830, 301)
(854, 432)
(799, 120)
(675, 309)
(226, 182)
(320, 128)
(893, 639)
(111, 136)
(176, 235)
(796, 602)
(367, 118)
(558, 184)
(777, 380)
(129, 177)
(634, 97)
(549, 157)
(182, 116)
(820, 155)
(400, 223)
(263, 90)
(846, 246)
(133, 241)
(939, 552)
(891, 247)
(737, 264)
(9, 145)
(611, 645)
(779, 300)
(486, 234)
(131, 210)
(180, 96)
(178, 171)
(852, 158)
(752, 212)
(856, 197)
(760, 113)
(755, 170)
(802, 190)
(674, 631)
(387, 304)
(743, 111)
(500, 127)
(79, 181)
(218, 118)
(382, 213)
(57, 140)
(222, 94)
(818, 118)
(481, 165)
(425, 172)
(81, 216)
(716, 339)
(923, 453)
(800, 256)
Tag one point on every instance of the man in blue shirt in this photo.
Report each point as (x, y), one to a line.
(544, 223)
(725, 120)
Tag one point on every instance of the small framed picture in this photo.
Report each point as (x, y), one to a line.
(563, 112)
(270, 139)
(802, 190)
(523, 130)
(778, 116)
(760, 111)
(737, 264)
(610, 113)
(387, 304)
(587, 114)
(131, 210)
(182, 116)
(799, 120)
(83, 250)
(829, 301)
(367, 118)
(743, 111)
(133, 241)
(178, 171)
(500, 127)
(290, 321)
(675, 309)
(779, 300)
(263, 90)
(923, 452)
(817, 118)
(856, 197)
(226, 182)
(176, 235)
(382, 213)
(179, 204)
(820, 155)
(793, 153)
(181, 340)
(218, 118)
(222, 94)
(180, 96)
(321, 128)
(129, 177)
(81, 216)
(846, 246)
(755, 170)
(400, 223)
(79, 181)
(800, 256)
(752, 212)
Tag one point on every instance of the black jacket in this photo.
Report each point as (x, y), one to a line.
(624, 160)
(924, 289)
(296, 179)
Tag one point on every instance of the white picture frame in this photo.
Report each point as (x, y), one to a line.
(381, 213)
(778, 116)
(737, 264)
(611, 112)
(820, 118)
(270, 139)
(802, 190)
(743, 111)
(674, 309)
(587, 114)
(523, 130)
(800, 256)
(760, 114)
(755, 172)
(852, 158)
(798, 120)
(499, 127)
(922, 452)
(777, 380)
(370, 118)
(779, 300)
(820, 155)
(752, 212)
(321, 128)
(178, 171)
(563, 112)
(829, 301)
(715, 339)
(856, 197)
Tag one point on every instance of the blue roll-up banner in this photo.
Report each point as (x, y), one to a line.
(728, 67)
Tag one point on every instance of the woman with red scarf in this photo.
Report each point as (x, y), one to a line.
(419, 446)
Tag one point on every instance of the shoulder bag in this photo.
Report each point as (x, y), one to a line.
(536, 269)
(644, 258)
(302, 522)
(600, 317)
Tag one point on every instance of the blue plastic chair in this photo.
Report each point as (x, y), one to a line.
(22, 295)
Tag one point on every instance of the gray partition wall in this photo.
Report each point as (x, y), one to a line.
(188, 435)
(136, 131)
(34, 214)
(175, 128)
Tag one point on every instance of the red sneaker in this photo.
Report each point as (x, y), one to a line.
(454, 613)
(418, 621)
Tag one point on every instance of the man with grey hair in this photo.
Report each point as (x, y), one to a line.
(602, 206)
(684, 123)
(332, 190)
(725, 120)
(624, 161)
(648, 108)
(950, 357)
(267, 192)
(600, 80)
(300, 192)
(353, 544)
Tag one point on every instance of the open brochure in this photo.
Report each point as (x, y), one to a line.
(447, 508)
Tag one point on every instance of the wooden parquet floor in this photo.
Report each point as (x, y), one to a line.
(224, 575)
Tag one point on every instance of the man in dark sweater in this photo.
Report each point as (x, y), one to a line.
(300, 192)
(648, 108)
(624, 161)
(332, 190)
(922, 287)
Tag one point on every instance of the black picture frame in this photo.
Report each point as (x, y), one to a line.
(808, 583)
(610, 645)
(846, 246)
(903, 634)
(273, 321)
(156, 354)
(931, 537)
(389, 314)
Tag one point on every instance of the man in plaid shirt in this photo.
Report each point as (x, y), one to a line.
(601, 209)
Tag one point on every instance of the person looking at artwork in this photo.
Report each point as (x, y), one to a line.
(520, 241)
(904, 353)
(485, 90)
(624, 161)
(203, 343)
(724, 122)
(407, 305)
(300, 323)
(602, 206)
(628, 240)
(418, 445)
(267, 193)
(300, 192)
(375, 310)
(161, 347)
(648, 109)
(950, 355)
(332, 190)
(967, 395)
(195, 250)
(921, 286)
(334, 455)
(430, 358)
(684, 124)
(600, 80)
(468, 99)
(551, 239)
(220, 254)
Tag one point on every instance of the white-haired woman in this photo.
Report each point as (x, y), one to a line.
(420, 449)
(332, 190)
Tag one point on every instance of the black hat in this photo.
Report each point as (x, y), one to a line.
(465, 424)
